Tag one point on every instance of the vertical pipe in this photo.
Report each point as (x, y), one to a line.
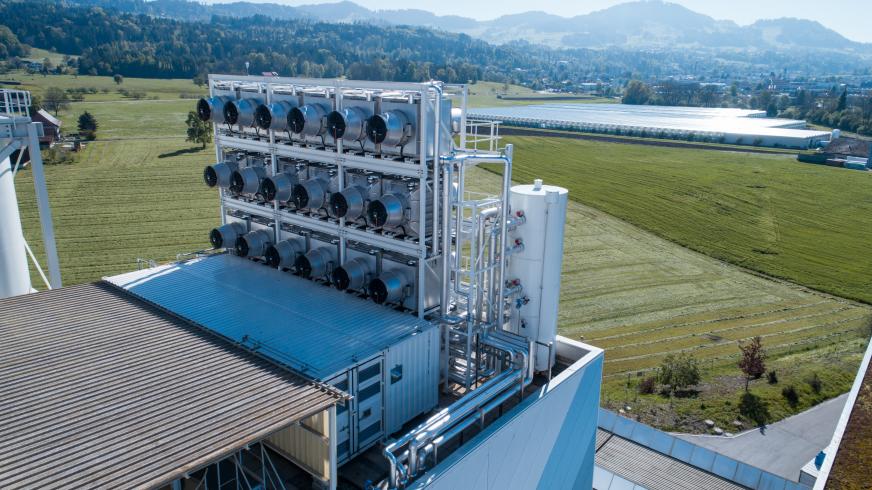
(14, 274)
(447, 183)
(45, 218)
(504, 217)
(332, 450)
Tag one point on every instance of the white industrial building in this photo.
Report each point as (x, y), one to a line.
(713, 125)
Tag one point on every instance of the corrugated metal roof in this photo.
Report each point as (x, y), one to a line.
(651, 469)
(312, 328)
(98, 389)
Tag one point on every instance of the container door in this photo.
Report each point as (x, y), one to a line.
(370, 427)
(343, 419)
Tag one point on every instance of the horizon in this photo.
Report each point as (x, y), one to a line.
(742, 12)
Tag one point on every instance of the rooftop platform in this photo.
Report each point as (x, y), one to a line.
(100, 389)
(314, 329)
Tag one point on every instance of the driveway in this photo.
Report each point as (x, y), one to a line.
(784, 447)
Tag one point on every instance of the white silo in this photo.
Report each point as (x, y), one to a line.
(538, 263)
(14, 272)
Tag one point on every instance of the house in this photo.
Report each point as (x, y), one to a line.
(51, 127)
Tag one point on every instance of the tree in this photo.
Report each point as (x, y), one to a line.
(636, 93)
(88, 125)
(843, 101)
(55, 100)
(679, 372)
(753, 360)
(118, 79)
(199, 131)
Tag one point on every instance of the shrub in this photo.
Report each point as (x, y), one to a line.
(789, 393)
(754, 408)
(57, 156)
(648, 386)
(772, 376)
(815, 383)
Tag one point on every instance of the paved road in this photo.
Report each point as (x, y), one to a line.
(783, 447)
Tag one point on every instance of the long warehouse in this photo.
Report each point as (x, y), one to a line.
(714, 125)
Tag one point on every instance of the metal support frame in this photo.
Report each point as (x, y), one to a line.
(19, 132)
(425, 169)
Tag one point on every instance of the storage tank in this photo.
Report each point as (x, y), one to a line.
(537, 264)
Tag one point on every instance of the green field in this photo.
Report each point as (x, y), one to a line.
(805, 223)
(161, 89)
(137, 193)
(484, 94)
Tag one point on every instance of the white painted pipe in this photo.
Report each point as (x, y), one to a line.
(14, 273)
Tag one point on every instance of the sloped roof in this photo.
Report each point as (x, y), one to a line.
(100, 389)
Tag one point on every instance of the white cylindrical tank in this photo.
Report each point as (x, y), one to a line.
(14, 273)
(537, 265)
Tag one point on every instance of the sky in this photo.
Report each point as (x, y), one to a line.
(851, 18)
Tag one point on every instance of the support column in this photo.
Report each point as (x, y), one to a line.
(14, 273)
(45, 218)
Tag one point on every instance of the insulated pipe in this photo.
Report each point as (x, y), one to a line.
(254, 244)
(351, 275)
(226, 235)
(247, 180)
(219, 174)
(442, 422)
(283, 255)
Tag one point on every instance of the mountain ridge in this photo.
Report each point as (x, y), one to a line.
(636, 24)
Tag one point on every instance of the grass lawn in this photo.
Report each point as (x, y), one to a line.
(161, 89)
(484, 94)
(806, 223)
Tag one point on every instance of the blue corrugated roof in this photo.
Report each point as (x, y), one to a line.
(314, 329)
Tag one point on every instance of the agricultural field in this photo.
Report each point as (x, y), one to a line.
(808, 224)
(137, 192)
(484, 94)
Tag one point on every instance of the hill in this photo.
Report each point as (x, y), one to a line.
(638, 24)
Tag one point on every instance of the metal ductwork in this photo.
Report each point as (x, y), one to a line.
(241, 111)
(279, 187)
(390, 287)
(247, 180)
(311, 194)
(349, 124)
(226, 235)
(352, 275)
(349, 204)
(391, 128)
(388, 210)
(316, 262)
(212, 108)
(254, 244)
(283, 255)
(275, 116)
(308, 120)
(219, 174)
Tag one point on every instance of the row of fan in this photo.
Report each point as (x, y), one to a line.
(388, 203)
(351, 124)
(318, 263)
